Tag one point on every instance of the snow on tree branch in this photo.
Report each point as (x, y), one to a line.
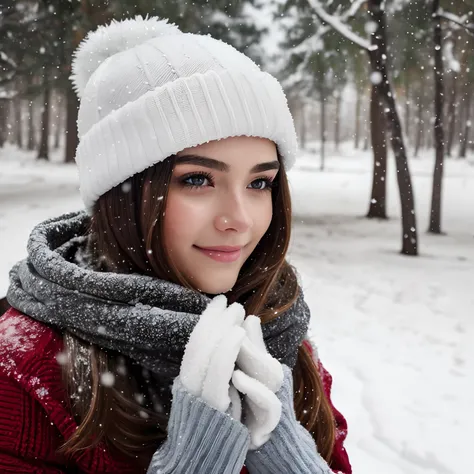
(316, 39)
(311, 44)
(338, 24)
(355, 5)
(315, 43)
(461, 21)
(4, 58)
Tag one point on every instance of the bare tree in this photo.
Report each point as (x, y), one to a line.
(419, 121)
(407, 79)
(5, 100)
(337, 119)
(378, 201)
(435, 215)
(358, 63)
(303, 124)
(58, 107)
(467, 122)
(43, 152)
(463, 22)
(17, 108)
(452, 112)
(322, 124)
(377, 52)
(357, 117)
(438, 14)
(31, 124)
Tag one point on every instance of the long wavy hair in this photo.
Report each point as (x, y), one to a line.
(126, 235)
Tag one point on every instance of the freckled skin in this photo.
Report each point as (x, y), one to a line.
(229, 209)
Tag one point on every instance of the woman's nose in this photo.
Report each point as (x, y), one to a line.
(234, 214)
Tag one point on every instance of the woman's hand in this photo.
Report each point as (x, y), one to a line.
(278, 442)
(259, 378)
(210, 356)
(202, 437)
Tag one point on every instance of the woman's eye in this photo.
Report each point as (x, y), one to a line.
(196, 180)
(202, 180)
(261, 184)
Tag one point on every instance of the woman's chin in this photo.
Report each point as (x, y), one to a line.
(222, 285)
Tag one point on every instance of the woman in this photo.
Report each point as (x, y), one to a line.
(117, 355)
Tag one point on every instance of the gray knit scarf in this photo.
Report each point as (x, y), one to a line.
(144, 318)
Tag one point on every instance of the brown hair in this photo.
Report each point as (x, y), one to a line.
(125, 236)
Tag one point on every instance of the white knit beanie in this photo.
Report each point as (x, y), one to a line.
(148, 91)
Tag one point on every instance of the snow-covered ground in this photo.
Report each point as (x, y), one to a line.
(397, 333)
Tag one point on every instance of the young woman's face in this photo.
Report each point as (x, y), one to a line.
(219, 206)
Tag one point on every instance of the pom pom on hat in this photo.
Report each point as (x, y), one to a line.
(111, 39)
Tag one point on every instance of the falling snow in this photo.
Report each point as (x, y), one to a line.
(395, 332)
(380, 321)
(107, 379)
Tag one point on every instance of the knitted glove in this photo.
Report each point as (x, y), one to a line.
(210, 355)
(254, 359)
(260, 376)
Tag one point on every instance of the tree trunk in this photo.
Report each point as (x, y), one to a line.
(435, 215)
(407, 107)
(419, 126)
(366, 137)
(337, 125)
(378, 64)
(58, 121)
(467, 123)
(43, 153)
(357, 118)
(31, 126)
(452, 109)
(302, 125)
(378, 127)
(367, 122)
(3, 121)
(18, 122)
(57, 135)
(429, 136)
(71, 127)
(323, 128)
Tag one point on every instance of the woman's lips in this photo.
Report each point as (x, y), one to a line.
(222, 254)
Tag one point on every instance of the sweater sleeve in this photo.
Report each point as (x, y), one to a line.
(26, 447)
(291, 448)
(200, 439)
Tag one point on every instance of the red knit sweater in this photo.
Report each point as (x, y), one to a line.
(34, 416)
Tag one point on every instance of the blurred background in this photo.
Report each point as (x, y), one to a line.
(383, 190)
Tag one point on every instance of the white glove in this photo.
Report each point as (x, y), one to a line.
(261, 376)
(210, 355)
(254, 358)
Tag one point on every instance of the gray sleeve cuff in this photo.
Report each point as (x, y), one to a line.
(200, 439)
(291, 448)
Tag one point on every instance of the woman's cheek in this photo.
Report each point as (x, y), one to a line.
(264, 217)
(184, 213)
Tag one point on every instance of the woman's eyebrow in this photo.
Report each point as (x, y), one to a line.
(221, 166)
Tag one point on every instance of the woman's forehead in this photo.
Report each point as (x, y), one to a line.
(242, 148)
